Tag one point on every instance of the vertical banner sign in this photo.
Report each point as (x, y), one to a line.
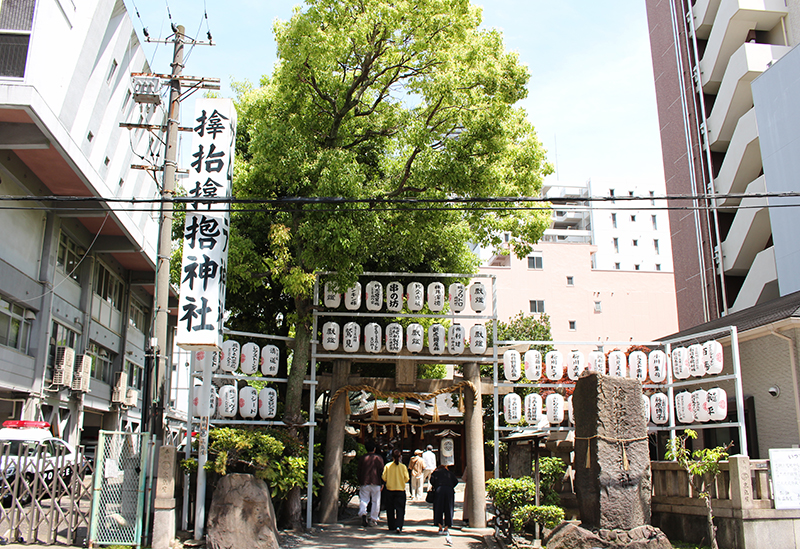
(205, 234)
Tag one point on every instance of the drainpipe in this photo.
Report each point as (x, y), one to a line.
(793, 360)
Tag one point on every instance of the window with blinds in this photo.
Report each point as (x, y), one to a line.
(16, 22)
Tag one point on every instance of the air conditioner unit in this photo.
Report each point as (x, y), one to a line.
(65, 361)
(119, 393)
(83, 372)
(131, 397)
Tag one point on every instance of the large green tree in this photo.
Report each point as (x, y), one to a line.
(382, 105)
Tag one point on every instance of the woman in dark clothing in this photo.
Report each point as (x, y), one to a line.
(444, 501)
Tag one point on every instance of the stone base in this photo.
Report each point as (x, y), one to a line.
(571, 536)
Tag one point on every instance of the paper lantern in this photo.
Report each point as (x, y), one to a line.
(683, 407)
(436, 339)
(248, 402)
(458, 297)
(512, 368)
(657, 366)
(230, 355)
(555, 408)
(712, 356)
(477, 297)
(680, 363)
(659, 408)
(228, 396)
(416, 296)
(394, 338)
(352, 297)
(576, 365)
(250, 358)
(570, 411)
(331, 296)
(436, 296)
(455, 339)
(330, 336)
(596, 362)
(372, 337)
(394, 297)
(374, 295)
(270, 360)
(700, 405)
(206, 360)
(414, 336)
(697, 366)
(554, 365)
(211, 406)
(351, 337)
(477, 339)
(533, 408)
(637, 362)
(533, 365)
(617, 364)
(646, 408)
(717, 401)
(267, 403)
(512, 408)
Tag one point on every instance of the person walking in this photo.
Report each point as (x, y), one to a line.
(429, 459)
(444, 482)
(370, 469)
(416, 467)
(395, 475)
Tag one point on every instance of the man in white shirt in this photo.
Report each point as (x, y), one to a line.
(429, 460)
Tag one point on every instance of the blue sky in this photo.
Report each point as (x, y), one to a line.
(591, 92)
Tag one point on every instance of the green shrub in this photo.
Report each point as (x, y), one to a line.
(547, 516)
(551, 471)
(509, 494)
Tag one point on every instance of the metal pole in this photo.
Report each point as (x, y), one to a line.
(202, 451)
(737, 370)
(311, 411)
(495, 394)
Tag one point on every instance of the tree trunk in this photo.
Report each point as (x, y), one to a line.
(712, 534)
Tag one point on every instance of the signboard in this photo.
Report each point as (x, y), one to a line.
(784, 465)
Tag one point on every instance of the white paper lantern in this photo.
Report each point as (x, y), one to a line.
(351, 337)
(250, 358)
(617, 364)
(659, 408)
(596, 362)
(248, 402)
(576, 365)
(394, 297)
(206, 360)
(414, 337)
(712, 357)
(416, 296)
(512, 408)
(211, 406)
(570, 411)
(436, 296)
(330, 336)
(683, 407)
(680, 363)
(657, 366)
(267, 403)
(394, 338)
(372, 337)
(533, 408)
(700, 405)
(477, 339)
(230, 355)
(331, 296)
(270, 360)
(554, 365)
(228, 396)
(637, 362)
(533, 365)
(646, 408)
(555, 408)
(352, 297)
(717, 401)
(512, 368)
(436, 339)
(374, 295)
(477, 297)
(458, 297)
(455, 339)
(697, 367)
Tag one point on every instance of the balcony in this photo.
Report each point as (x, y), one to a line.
(734, 20)
(703, 14)
(735, 97)
(761, 283)
(742, 162)
(563, 219)
(749, 232)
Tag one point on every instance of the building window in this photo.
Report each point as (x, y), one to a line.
(112, 71)
(570, 281)
(598, 307)
(655, 245)
(70, 256)
(103, 362)
(636, 267)
(537, 306)
(572, 325)
(108, 286)
(126, 100)
(633, 219)
(652, 198)
(134, 374)
(635, 242)
(535, 262)
(137, 316)
(616, 266)
(658, 266)
(614, 220)
(16, 21)
(14, 326)
(616, 245)
(655, 224)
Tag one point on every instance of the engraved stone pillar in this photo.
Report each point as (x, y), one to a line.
(164, 504)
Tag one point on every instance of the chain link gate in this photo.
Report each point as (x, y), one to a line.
(119, 488)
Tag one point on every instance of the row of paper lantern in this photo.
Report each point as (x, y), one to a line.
(690, 407)
(440, 339)
(247, 358)
(247, 401)
(697, 360)
(374, 296)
